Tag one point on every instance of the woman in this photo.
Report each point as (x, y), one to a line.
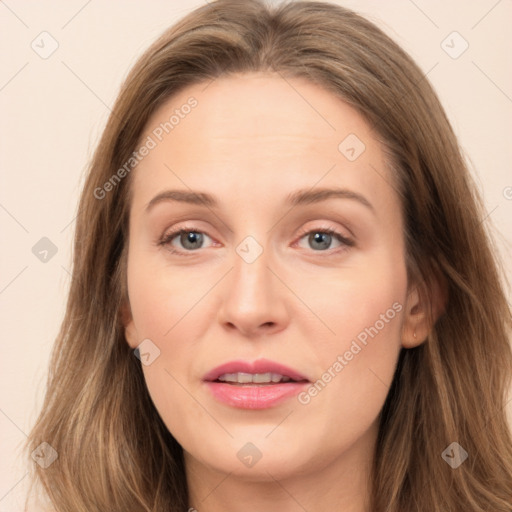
(212, 356)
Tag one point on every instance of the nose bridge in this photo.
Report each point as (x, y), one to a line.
(251, 277)
(252, 297)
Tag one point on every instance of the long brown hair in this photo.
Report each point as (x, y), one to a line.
(115, 453)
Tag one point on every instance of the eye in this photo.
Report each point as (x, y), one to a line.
(321, 239)
(190, 240)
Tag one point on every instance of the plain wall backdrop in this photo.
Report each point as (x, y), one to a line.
(62, 66)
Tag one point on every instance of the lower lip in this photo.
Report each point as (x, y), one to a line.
(256, 396)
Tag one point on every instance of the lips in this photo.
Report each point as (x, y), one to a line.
(261, 384)
(260, 366)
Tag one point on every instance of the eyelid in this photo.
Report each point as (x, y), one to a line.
(326, 228)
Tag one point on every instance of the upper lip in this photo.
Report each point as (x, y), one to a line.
(258, 366)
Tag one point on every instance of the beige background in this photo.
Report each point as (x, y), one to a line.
(53, 111)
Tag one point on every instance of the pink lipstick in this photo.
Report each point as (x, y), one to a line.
(254, 385)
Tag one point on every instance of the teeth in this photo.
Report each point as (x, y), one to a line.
(256, 378)
(229, 377)
(244, 378)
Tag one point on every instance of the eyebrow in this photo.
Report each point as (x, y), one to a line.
(300, 197)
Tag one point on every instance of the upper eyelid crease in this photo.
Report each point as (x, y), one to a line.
(300, 197)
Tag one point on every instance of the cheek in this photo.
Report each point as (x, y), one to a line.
(166, 305)
(161, 297)
(162, 303)
(365, 310)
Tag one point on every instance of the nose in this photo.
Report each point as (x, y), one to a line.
(253, 298)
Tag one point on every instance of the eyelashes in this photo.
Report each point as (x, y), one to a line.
(323, 236)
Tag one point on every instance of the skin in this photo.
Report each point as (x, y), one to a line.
(250, 141)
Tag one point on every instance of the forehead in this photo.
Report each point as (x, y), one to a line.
(263, 132)
(259, 107)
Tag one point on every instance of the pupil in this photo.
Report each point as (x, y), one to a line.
(323, 239)
(191, 238)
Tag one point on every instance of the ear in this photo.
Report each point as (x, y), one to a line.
(422, 310)
(130, 331)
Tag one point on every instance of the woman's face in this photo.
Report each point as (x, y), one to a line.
(258, 279)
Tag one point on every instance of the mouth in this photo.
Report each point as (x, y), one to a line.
(254, 385)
